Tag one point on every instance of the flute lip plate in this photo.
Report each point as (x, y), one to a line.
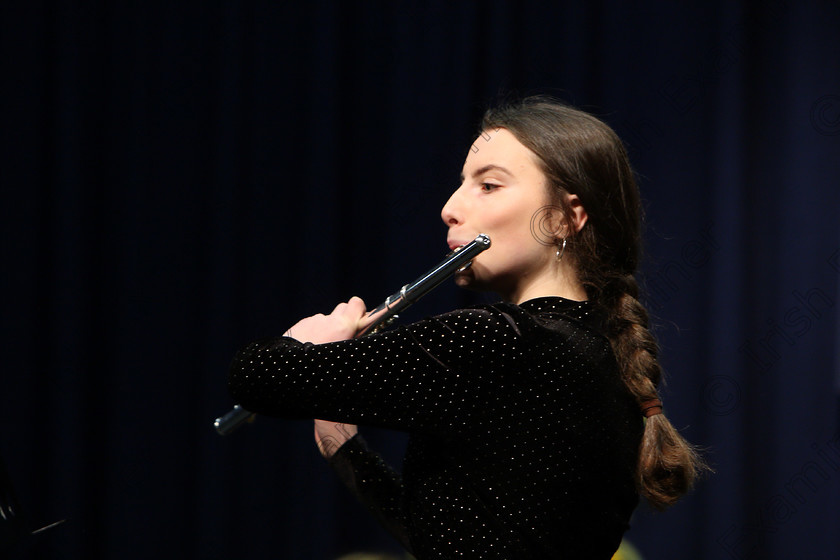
(456, 244)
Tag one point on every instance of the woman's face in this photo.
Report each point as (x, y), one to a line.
(503, 194)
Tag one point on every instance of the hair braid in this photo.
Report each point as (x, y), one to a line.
(668, 464)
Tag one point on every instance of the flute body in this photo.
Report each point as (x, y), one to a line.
(387, 311)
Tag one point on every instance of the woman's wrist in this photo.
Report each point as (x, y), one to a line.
(331, 436)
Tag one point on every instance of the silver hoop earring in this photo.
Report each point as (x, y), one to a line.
(561, 249)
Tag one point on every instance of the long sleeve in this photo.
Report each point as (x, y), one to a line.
(430, 376)
(375, 484)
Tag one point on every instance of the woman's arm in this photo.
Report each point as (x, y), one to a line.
(432, 375)
(375, 484)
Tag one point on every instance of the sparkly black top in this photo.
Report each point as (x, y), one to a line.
(523, 439)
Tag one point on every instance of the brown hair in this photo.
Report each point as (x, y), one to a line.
(581, 155)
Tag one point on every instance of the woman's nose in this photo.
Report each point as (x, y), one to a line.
(450, 213)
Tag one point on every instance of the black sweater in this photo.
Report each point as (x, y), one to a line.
(523, 438)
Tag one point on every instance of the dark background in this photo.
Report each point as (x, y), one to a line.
(180, 179)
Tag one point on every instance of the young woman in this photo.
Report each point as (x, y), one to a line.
(535, 422)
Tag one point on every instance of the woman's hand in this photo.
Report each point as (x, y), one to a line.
(329, 436)
(342, 324)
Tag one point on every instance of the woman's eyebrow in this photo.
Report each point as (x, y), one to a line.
(486, 168)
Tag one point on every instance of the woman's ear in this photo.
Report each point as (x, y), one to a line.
(579, 215)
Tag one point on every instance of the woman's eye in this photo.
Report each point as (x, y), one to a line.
(487, 187)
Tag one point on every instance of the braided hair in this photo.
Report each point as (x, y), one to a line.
(581, 155)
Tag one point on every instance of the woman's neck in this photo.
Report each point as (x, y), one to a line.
(561, 281)
(571, 293)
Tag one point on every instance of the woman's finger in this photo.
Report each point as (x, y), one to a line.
(356, 306)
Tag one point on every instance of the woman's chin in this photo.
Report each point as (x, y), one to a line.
(469, 281)
(465, 279)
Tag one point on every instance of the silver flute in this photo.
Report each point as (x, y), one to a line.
(456, 261)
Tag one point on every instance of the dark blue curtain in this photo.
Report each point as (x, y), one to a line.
(181, 179)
